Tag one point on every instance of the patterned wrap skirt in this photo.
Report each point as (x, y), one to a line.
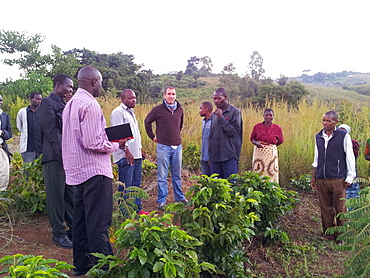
(265, 160)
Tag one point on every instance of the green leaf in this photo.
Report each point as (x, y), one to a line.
(158, 266)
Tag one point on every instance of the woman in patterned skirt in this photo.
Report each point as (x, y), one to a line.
(266, 136)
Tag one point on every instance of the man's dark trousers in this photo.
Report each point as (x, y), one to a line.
(93, 207)
(61, 209)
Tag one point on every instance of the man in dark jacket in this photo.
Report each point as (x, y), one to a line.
(334, 171)
(5, 134)
(59, 196)
(168, 118)
(225, 138)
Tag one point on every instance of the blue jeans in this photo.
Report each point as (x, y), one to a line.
(130, 176)
(168, 156)
(30, 156)
(224, 168)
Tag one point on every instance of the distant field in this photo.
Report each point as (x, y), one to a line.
(335, 95)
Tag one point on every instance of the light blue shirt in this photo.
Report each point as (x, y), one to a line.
(206, 129)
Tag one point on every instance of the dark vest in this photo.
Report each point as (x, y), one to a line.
(332, 160)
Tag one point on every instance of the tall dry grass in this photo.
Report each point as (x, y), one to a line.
(299, 129)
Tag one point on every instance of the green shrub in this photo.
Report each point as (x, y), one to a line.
(148, 168)
(155, 249)
(272, 202)
(28, 188)
(191, 157)
(219, 219)
(30, 266)
(303, 182)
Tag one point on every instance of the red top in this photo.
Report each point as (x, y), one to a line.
(272, 134)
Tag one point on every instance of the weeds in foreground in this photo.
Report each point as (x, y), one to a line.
(30, 266)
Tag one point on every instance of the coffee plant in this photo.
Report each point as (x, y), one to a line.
(30, 266)
(220, 219)
(152, 247)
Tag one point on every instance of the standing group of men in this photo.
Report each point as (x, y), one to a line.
(77, 166)
(80, 199)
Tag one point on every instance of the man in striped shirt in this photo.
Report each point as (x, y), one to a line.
(87, 164)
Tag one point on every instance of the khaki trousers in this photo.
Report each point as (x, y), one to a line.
(332, 201)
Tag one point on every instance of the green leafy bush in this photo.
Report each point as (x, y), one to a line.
(30, 266)
(356, 235)
(156, 248)
(191, 157)
(220, 219)
(28, 188)
(148, 168)
(303, 182)
(272, 202)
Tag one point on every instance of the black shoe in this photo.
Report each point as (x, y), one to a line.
(161, 206)
(63, 242)
(185, 201)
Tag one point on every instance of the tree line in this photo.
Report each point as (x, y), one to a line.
(120, 71)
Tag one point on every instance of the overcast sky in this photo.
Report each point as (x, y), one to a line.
(291, 35)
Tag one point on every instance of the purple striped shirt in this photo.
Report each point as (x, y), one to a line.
(85, 146)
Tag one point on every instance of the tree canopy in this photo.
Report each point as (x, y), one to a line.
(119, 72)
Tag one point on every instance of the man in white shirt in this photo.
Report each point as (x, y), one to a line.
(334, 171)
(129, 160)
(30, 145)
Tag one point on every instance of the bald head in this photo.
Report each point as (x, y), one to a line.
(90, 79)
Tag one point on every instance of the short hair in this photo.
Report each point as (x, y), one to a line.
(32, 95)
(268, 110)
(60, 78)
(221, 91)
(208, 105)
(123, 93)
(332, 114)
(168, 87)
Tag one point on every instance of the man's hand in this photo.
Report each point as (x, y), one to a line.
(129, 157)
(346, 185)
(313, 179)
(155, 140)
(313, 184)
(122, 143)
(218, 113)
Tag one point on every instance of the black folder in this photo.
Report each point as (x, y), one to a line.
(118, 132)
